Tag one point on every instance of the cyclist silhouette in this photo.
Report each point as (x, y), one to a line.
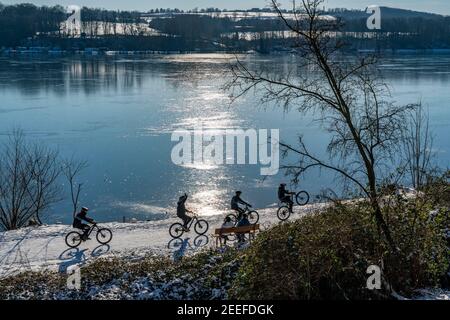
(78, 222)
(284, 196)
(236, 201)
(181, 211)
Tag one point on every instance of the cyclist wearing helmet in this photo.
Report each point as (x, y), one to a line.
(284, 196)
(181, 211)
(78, 222)
(235, 201)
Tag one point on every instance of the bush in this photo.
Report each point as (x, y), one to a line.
(326, 255)
(437, 190)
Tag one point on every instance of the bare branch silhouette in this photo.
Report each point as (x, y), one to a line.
(71, 169)
(346, 95)
(29, 176)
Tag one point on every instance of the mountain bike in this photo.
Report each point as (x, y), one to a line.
(301, 198)
(201, 226)
(103, 236)
(253, 216)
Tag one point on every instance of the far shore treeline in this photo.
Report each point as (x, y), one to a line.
(207, 30)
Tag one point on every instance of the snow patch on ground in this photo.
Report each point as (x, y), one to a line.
(433, 294)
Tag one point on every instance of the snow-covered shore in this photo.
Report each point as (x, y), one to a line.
(42, 248)
(38, 248)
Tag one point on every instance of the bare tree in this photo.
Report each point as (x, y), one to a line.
(28, 181)
(71, 169)
(45, 171)
(347, 96)
(418, 144)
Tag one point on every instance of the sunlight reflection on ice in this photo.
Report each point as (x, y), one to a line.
(200, 166)
(206, 202)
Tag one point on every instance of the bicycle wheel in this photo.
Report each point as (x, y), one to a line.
(201, 241)
(253, 217)
(233, 218)
(283, 213)
(104, 235)
(73, 239)
(201, 227)
(302, 198)
(175, 243)
(176, 230)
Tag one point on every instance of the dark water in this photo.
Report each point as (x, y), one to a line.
(118, 114)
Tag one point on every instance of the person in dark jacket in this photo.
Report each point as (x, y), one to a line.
(78, 222)
(182, 211)
(284, 196)
(242, 223)
(236, 201)
(227, 223)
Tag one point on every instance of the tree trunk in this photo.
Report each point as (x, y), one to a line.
(381, 223)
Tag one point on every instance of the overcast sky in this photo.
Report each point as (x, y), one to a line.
(436, 6)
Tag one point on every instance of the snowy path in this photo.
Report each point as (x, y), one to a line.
(44, 247)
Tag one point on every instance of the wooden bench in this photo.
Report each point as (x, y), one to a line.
(222, 232)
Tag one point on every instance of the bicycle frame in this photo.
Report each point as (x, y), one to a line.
(236, 213)
(285, 204)
(193, 218)
(291, 195)
(246, 210)
(91, 229)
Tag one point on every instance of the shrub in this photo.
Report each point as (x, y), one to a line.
(326, 255)
(437, 190)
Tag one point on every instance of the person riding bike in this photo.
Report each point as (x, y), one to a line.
(284, 196)
(78, 222)
(181, 211)
(235, 201)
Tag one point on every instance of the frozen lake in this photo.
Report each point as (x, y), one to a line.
(118, 114)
